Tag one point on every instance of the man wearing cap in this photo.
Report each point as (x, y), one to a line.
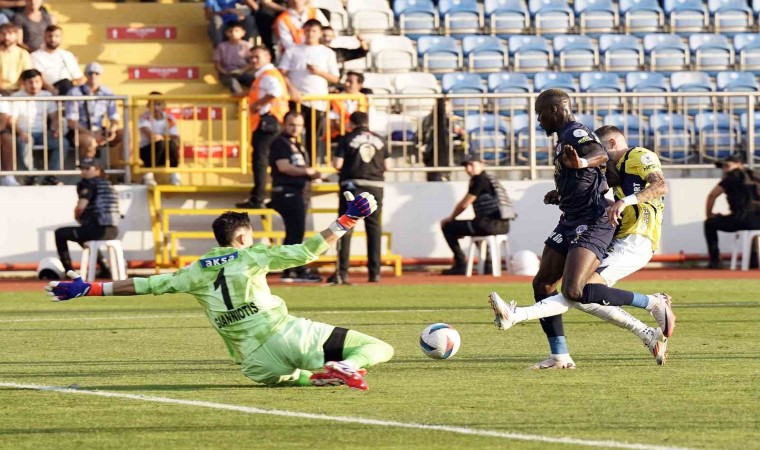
(60, 68)
(97, 212)
(493, 211)
(88, 127)
(742, 189)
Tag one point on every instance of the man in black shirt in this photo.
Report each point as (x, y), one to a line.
(742, 189)
(291, 187)
(483, 194)
(344, 54)
(361, 158)
(577, 245)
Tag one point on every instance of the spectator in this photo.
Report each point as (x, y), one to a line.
(268, 99)
(341, 110)
(30, 121)
(221, 13)
(86, 119)
(159, 140)
(438, 128)
(362, 159)
(493, 211)
(13, 59)
(97, 212)
(9, 8)
(310, 67)
(265, 13)
(742, 189)
(291, 188)
(60, 68)
(232, 59)
(344, 54)
(289, 25)
(33, 23)
(6, 146)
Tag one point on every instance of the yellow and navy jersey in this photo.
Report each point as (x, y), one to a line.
(645, 218)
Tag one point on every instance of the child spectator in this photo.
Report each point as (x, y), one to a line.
(232, 59)
(221, 13)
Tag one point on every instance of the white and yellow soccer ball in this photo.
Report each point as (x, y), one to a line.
(440, 341)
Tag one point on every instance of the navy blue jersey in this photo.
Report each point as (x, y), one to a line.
(581, 190)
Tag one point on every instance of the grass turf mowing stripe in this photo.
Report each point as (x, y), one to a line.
(355, 420)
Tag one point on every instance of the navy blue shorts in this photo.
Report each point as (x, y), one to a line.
(594, 236)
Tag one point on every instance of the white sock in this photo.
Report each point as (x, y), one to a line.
(616, 316)
(652, 301)
(562, 357)
(550, 306)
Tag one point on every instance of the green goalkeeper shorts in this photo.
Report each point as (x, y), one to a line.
(297, 345)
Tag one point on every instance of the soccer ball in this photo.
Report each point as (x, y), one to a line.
(440, 341)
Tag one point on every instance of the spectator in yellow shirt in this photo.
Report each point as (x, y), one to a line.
(13, 59)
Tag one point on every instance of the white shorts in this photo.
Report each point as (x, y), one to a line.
(624, 257)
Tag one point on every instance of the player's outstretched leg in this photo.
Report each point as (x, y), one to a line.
(659, 305)
(359, 352)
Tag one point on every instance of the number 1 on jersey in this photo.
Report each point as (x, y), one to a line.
(221, 282)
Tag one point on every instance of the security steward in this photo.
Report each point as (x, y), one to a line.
(268, 103)
(291, 188)
(742, 188)
(97, 211)
(362, 159)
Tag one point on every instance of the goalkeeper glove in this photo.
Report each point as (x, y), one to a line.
(66, 290)
(358, 208)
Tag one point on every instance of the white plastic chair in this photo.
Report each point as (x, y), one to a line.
(493, 244)
(115, 258)
(745, 236)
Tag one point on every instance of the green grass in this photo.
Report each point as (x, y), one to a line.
(705, 397)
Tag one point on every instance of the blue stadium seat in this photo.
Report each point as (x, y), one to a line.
(621, 52)
(506, 82)
(756, 128)
(484, 53)
(672, 137)
(736, 82)
(686, 16)
(653, 82)
(460, 17)
(551, 17)
(587, 119)
(439, 54)
(558, 80)
(602, 82)
(507, 17)
(718, 135)
(747, 50)
(691, 82)
(416, 17)
(711, 52)
(730, 16)
(575, 53)
(489, 137)
(666, 52)
(633, 127)
(464, 83)
(530, 53)
(596, 16)
(641, 16)
(544, 143)
(755, 5)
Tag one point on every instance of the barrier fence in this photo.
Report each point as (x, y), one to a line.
(426, 133)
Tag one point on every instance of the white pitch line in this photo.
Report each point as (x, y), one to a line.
(343, 419)
(75, 318)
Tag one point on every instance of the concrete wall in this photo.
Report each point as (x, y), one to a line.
(412, 211)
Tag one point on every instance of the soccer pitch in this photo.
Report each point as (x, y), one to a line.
(150, 372)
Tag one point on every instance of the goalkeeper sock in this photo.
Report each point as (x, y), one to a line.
(363, 351)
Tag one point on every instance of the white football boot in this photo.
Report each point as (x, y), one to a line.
(663, 313)
(553, 363)
(504, 312)
(657, 344)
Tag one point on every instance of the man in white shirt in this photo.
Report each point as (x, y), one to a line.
(310, 68)
(288, 26)
(159, 140)
(60, 68)
(30, 124)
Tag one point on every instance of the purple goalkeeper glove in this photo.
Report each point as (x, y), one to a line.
(66, 290)
(361, 206)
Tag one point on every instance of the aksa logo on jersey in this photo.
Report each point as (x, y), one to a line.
(218, 261)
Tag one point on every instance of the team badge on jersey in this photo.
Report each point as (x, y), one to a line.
(579, 133)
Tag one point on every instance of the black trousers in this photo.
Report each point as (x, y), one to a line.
(80, 235)
(291, 205)
(457, 229)
(374, 228)
(260, 162)
(729, 223)
(314, 129)
(161, 154)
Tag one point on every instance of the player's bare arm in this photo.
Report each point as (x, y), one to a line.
(595, 156)
(656, 188)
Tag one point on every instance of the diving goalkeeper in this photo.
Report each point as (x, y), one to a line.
(271, 346)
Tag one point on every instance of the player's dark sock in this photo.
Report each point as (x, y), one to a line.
(554, 329)
(605, 295)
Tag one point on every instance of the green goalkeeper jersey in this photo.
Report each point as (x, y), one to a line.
(231, 286)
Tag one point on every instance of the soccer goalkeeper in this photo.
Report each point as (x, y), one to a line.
(272, 346)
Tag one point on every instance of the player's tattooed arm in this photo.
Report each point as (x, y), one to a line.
(656, 188)
(594, 156)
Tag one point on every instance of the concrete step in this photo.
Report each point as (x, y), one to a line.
(128, 13)
(144, 53)
(78, 33)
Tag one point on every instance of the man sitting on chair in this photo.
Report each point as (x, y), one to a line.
(493, 211)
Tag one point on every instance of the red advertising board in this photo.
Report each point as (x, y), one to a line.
(141, 33)
(199, 112)
(163, 73)
(202, 151)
